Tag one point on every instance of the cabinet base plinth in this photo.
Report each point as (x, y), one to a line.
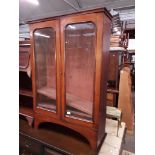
(88, 133)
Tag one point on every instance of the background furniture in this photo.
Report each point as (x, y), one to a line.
(114, 113)
(125, 98)
(70, 55)
(114, 68)
(117, 57)
(115, 62)
(25, 83)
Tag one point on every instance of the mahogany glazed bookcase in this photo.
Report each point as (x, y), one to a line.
(69, 72)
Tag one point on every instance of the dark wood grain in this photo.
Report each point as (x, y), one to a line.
(80, 74)
(104, 44)
(26, 111)
(54, 137)
(26, 92)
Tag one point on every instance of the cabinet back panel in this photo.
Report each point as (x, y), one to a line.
(80, 61)
(24, 81)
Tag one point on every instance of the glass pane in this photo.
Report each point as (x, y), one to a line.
(45, 68)
(80, 69)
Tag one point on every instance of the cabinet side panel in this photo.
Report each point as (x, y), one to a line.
(104, 75)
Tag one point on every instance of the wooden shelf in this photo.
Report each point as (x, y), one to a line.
(72, 100)
(47, 106)
(80, 104)
(26, 92)
(117, 49)
(24, 43)
(113, 91)
(131, 51)
(72, 112)
(47, 91)
(22, 69)
(26, 111)
(129, 63)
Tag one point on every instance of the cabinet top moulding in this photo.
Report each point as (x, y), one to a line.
(103, 9)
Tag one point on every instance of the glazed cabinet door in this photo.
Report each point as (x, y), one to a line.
(45, 43)
(78, 44)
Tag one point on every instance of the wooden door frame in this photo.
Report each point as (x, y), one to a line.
(83, 18)
(40, 25)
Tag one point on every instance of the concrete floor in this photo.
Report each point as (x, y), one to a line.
(112, 143)
(129, 144)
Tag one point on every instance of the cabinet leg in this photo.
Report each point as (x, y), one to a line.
(36, 124)
(93, 145)
(30, 120)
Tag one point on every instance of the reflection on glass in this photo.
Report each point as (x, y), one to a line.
(80, 69)
(45, 67)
